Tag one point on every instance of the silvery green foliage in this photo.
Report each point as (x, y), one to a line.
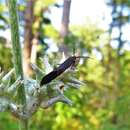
(36, 95)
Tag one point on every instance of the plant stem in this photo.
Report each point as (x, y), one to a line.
(17, 56)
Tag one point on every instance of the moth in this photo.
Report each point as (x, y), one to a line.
(70, 62)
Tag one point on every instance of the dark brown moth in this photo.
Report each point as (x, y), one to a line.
(70, 62)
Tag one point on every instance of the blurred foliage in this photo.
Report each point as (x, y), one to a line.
(40, 4)
(120, 18)
(5, 56)
(103, 103)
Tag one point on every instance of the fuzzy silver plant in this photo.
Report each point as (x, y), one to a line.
(37, 96)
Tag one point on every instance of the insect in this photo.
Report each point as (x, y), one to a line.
(70, 62)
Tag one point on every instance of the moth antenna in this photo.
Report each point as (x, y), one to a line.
(84, 57)
(48, 66)
(74, 51)
(63, 58)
